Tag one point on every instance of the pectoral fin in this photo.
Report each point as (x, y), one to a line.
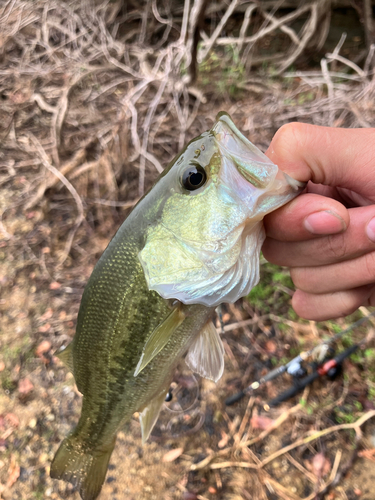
(150, 414)
(206, 354)
(66, 356)
(159, 338)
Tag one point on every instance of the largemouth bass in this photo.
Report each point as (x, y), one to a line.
(192, 242)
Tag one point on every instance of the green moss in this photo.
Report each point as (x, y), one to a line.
(292, 314)
(334, 326)
(357, 358)
(371, 393)
(7, 382)
(370, 354)
(224, 71)
(358, 405)
(305, 97)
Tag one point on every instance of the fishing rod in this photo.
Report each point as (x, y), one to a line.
(324, 369)
(293, 366)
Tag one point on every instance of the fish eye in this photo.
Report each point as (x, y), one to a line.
(194, 177)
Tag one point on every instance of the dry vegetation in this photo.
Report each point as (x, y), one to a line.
(95, 98)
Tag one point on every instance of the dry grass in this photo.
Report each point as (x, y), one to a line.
(96, 97)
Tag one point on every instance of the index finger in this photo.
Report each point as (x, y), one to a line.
(305, 217)
(335, 157)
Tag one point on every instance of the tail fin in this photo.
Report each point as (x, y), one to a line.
(85, 469)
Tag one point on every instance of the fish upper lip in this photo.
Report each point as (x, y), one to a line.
(259, 157)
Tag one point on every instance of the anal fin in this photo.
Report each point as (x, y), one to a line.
(159, 338)
(206, 354)
(149, 415)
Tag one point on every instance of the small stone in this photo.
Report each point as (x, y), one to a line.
(32, 423)
(43, 458)
(48, 492)
(212, 490)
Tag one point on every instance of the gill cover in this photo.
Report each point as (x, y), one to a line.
(204, 248)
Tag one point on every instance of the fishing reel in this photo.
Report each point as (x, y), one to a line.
(323, 362)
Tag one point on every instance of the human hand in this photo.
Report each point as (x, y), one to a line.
(326, 235)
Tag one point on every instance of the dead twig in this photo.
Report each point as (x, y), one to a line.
(276, 424)
(356, 426)
(210, 43)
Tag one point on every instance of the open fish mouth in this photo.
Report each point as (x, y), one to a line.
(252, 164)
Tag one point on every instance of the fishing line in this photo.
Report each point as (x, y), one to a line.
(174, 399)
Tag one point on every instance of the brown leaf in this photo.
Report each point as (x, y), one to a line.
(13, 472)
(25, 386)
(42, 348)
(369, 454)
(171, 455)
(55, 285)
(271, 346)
(47, 315)
(12, 419)
(321, 466)
(62, 315)
(262, 423)
(44, 328)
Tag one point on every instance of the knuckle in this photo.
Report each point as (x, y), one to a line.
(299, 278)
(345, 303)
(371, 299)
(369, 262)
(289, 134)
(336, 247)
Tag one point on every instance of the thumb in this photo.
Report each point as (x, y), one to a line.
(334, 157)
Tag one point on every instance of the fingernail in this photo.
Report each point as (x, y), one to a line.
(370, 230)
(325, 222)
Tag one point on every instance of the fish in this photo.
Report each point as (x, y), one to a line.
(190, 244)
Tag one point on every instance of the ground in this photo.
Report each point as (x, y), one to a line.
(64, 99)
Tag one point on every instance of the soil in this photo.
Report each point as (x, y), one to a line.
(47, 253)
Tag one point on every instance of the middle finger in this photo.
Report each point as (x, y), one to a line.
(335, 277)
